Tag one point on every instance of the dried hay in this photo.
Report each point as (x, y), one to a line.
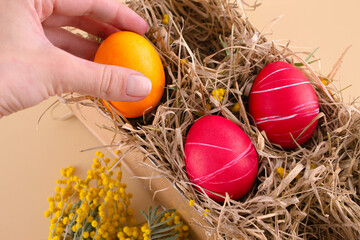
(208, 45)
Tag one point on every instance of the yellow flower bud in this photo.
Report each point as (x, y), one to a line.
(99, 154)
(222, 91)
(47, 214)
(94, 223)
(52, 226)
(281, 171)
(105, 181)
(122, 220)
(54, 220)
(82, 194)
(62, 171)
(116, 197)
(59, 230)
(206, 212)
(58, 214)
(130, 211)
(184, 61)
(90, 219)
(66, 221)
(100, 231)
(119, 175)
(105, 235)
(236, 107)
(60, 204)
(64, 192)
(107, 160)
(95, 166)
(57, 189)
(86, 235)
(218, 94)
(112, 230)
(110, 193)
(78, 225)
(79, 211)
(165, 19)
(57, 197)
(176, 219)
(107, 199)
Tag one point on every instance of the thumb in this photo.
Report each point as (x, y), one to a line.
(99, 80)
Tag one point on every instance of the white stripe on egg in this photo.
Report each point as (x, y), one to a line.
(279, 88)
(280, 81)
(201, 180)
(305, 106)
(277, 71)
(209, 145)
(236, 179)
(273, 119)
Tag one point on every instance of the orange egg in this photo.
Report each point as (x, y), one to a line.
(130, 50)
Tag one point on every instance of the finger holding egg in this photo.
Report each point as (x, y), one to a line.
(130, 50)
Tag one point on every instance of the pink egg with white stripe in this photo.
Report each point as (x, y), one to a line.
(283, 103)
(220, 158)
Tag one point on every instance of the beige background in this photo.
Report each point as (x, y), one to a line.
(31, 157)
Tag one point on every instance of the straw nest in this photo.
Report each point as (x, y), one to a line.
(206, 45)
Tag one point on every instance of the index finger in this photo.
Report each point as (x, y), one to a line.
(108, 11)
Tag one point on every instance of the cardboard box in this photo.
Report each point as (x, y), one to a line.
(163, 191)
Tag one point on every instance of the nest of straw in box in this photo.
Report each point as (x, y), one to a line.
(206, 45)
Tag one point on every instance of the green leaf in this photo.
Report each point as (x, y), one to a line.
(172, 238)
(161, 230)
(75, 206)
(96, 211)
(301, 64)
(153, 213)
(224, 45)
(165, 229)
(144, 214)
(311, 54)
(307, 59)
(88, 227)
(164, 236)
(158, 223)
(344, 88)
(174, 88)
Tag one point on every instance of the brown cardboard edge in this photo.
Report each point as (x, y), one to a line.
(162, 190)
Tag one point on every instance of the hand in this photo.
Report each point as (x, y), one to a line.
(39, 59)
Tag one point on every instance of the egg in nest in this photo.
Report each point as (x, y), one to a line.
(284, 105)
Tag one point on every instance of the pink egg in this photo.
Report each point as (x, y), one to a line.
(220, 157)
(283, 102)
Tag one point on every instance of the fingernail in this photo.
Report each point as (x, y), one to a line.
(138, 86)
